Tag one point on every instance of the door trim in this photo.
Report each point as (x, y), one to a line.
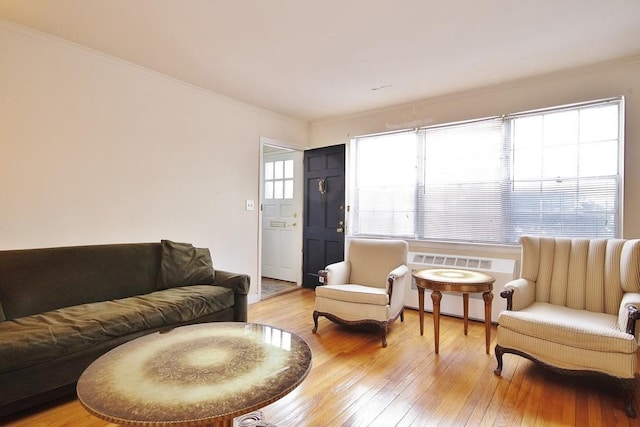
(299, 185)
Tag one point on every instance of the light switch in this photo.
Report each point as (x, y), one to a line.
(249, 205)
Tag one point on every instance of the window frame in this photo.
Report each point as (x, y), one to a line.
(506, 235)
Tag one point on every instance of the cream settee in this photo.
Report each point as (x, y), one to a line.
(574, 308)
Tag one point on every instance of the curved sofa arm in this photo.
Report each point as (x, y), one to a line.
(239, 284)
(520, 293)
(336, 273)
(629, 312)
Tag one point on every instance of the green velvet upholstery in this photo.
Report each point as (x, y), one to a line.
(181, 264)
(61, 308)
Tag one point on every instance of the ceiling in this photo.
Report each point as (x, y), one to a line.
(315, 60)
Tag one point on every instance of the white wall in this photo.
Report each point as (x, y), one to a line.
(595, 82)
(97, 150)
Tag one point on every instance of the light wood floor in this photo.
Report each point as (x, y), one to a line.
(356, 382)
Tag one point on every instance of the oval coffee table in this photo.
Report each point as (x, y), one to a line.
(454, 280)
(204, 374)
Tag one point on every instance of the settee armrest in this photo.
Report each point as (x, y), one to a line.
(629, 312)
(520, 293)
(336, 273)
(239, 284)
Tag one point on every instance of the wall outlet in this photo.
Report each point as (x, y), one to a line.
(249, 205)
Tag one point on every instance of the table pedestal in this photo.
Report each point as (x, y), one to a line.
(253, 419)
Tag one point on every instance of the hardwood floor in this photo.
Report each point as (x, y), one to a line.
(356, 382)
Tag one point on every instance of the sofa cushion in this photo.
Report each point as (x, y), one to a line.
(181, 264)
(43, 337)
(570, 327)
(34, 281)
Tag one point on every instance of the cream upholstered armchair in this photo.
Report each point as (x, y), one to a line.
(574, 308)
(367, 288)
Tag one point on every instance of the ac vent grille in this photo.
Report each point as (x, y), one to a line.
(503, 270)
(446, 261)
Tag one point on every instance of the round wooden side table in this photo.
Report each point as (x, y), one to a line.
(453, 280)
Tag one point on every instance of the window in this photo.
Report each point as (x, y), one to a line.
(278, 176)
(550, 172)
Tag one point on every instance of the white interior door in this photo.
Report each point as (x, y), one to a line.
(281, 221)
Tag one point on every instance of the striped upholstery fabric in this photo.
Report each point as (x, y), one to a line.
(569, 306)
(587, 329)
(620, 365)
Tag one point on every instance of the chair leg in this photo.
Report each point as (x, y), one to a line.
(315, 321)
(628, 385)
(499, 352)
(384, 337)
(402, 315)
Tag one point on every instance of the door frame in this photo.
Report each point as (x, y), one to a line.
(298, 201)
(329, 226)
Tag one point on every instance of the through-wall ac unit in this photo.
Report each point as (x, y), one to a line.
(503, 270)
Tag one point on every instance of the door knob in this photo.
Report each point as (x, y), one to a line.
(340, 230)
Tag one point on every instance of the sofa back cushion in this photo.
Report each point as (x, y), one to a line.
(586, 274)
(38, 280)
(182, 264)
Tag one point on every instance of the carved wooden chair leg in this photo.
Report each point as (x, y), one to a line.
(499, 352)
(384, 328)
(315, 321)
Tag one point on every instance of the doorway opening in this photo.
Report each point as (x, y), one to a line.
(280, 218)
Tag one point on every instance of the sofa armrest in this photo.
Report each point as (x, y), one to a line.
(629, 312)
(520, 293)
(239, 284)
(336, 273)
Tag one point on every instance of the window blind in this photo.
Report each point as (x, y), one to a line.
(463, 182)
(554, 172)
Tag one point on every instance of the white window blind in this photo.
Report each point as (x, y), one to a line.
(566, 172)
(384, 187)
(463, 182)
(553, 172)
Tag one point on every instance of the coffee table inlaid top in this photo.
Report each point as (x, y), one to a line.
(192, 375)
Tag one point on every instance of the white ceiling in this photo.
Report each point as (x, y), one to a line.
(319, 59)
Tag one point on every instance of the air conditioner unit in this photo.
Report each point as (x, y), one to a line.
(503, 270)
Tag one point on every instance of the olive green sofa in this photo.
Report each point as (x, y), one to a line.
(61, 308)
